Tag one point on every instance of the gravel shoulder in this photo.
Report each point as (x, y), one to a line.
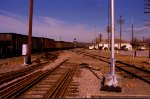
(90, 83)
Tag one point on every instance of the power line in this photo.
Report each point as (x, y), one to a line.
(142, 29)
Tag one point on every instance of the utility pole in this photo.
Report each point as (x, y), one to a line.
(111, 79)
(30, 33)
(143, 39)
(132, 34)
(109, 27)
(147, 12)
(112, 66)
(100, 38)
(134, 51)
(95, 38)
(120, 22)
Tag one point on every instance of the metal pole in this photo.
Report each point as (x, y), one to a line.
(30, 33)
(112, 67)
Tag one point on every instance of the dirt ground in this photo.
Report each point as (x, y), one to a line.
(90, 82)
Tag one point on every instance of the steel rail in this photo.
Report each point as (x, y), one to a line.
(59, 90)
(140, 71)
(9, 76)
(22, 86)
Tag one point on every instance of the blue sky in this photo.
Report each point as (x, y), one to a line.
(81, 19)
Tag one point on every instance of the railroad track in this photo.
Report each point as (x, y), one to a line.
(135, 71)
(53, 83)
(9, 76)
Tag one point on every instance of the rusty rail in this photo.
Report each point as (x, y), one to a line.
(59, 90)
(141, 74)
(9, 76)
(20, 87)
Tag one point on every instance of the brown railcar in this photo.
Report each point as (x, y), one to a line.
(64, 45)
(68, 45)
(59, 44)
(47, 44)
(36, 44)
(11, 44)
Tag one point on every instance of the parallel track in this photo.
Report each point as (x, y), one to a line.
(42, 84)
(135, 71)
(9, 76)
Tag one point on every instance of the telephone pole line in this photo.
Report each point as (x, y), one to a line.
(120, 22)
(30, 33)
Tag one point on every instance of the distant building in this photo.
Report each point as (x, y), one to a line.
(104, 45)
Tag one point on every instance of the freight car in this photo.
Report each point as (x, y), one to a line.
(11, 44)
(47, 44)
(62, 45)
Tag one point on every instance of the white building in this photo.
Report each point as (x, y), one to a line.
(104, 45)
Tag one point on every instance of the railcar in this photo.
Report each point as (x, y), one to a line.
(62, 45)
(11, 44)
(47, 44)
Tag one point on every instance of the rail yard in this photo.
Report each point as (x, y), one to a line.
(74, 49)
(75, 73)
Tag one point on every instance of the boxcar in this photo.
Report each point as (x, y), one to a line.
(68, 45)
(59, 44)
(63, 45)
(47, 44)
(11, 44)
(36, 44)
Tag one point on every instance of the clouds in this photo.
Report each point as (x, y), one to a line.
(45, 27)
(53, 27)
(9, 24)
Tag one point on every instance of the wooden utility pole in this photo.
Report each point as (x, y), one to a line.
(30, 33)
(120, 22)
